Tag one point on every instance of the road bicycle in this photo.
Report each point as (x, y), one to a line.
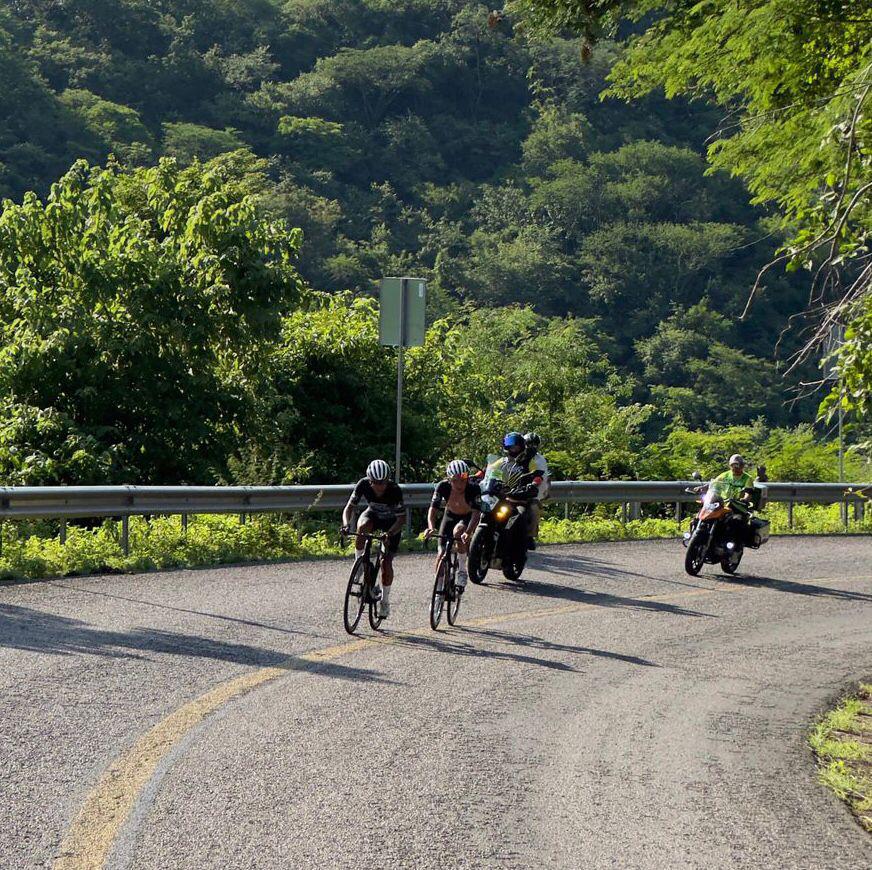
(445, 588)
(363, 578)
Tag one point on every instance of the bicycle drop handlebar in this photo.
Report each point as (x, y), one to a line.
(378, 536)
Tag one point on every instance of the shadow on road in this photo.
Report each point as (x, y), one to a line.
(576, 566)
(35, 631)
(206, 613)
(453, 645)
(796, 587)
(543, 589)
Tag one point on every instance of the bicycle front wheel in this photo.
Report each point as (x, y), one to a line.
(437, 601)
(453, 596)
(354, 594)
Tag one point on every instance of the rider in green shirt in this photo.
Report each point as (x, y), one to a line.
(736, 482)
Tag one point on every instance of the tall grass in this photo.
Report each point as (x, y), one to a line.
(33, 550)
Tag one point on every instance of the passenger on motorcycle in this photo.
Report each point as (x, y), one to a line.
(537, 463)
(462, 499)
(385, 512)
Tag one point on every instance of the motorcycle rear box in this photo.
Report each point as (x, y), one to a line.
(758, 533)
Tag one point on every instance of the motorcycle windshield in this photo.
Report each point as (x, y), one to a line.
(718, 493)
(503, 473)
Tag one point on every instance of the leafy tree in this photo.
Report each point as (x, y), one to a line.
(118, 128)
(686, 334)
(788, 454)
(402, 137)
(137, 310)
(39, 136)
(314, 141)
(514, 269)
(555, 135)
(361, 83)
(189, 142)
(641, 270)
(724, 385)
(800, 72)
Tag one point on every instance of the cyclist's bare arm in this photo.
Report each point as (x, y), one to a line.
(348, 514)
(432, 516)
(474, 518)
(401, 521)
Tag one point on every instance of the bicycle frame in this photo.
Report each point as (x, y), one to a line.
(370, 577)
(446, 591)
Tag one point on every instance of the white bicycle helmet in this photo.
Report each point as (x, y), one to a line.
(378, 471)
(457, 468)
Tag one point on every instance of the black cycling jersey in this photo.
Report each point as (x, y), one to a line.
(471, 495)
(389, 502)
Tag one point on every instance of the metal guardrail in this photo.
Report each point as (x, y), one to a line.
(71, 502)
(60, 502)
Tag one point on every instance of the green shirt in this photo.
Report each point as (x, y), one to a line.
(730, 486)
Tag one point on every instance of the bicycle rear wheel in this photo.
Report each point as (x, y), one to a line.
(437, 601)
(374, 619)
(354, 594)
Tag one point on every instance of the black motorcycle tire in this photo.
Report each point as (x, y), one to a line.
(478, 562)
(514, 567)
(731, 565)
(694, 557)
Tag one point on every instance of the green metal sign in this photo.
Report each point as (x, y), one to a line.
(402, 312)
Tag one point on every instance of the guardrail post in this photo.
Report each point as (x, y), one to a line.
(790, 515)
(858, 511)
(566, 510)
(63, 532)
(678, 511)
(125, 535)
(844, 508)
(185, 525)
(242, 519)
(624, 512)
(635, 510)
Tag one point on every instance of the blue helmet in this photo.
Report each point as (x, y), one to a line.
(514, 441)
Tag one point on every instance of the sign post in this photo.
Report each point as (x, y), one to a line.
(402, 324)
(833, 342)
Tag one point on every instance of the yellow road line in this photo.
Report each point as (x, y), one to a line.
(94, 831)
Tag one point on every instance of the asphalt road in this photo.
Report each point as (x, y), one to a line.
(611, 712)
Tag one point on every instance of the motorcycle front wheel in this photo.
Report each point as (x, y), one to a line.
(694, 557)
(479, 556)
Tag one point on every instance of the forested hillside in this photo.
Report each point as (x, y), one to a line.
(163, 323)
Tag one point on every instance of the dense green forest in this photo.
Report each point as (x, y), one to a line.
(201, 196)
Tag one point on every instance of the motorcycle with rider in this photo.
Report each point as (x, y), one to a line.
(509, 489)
(726, 525)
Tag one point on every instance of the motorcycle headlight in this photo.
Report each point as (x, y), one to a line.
(502, 512)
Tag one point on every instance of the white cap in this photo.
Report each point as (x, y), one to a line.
(736, 459)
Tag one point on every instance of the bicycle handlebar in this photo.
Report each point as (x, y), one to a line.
(428, 535)
(378, 536)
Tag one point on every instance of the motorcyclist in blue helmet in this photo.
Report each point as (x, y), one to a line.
(514, 444)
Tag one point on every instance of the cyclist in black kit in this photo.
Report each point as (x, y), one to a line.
(385, 512)
(462, 499)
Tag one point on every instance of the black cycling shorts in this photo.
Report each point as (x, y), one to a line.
(383, 523)
(450, 522)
